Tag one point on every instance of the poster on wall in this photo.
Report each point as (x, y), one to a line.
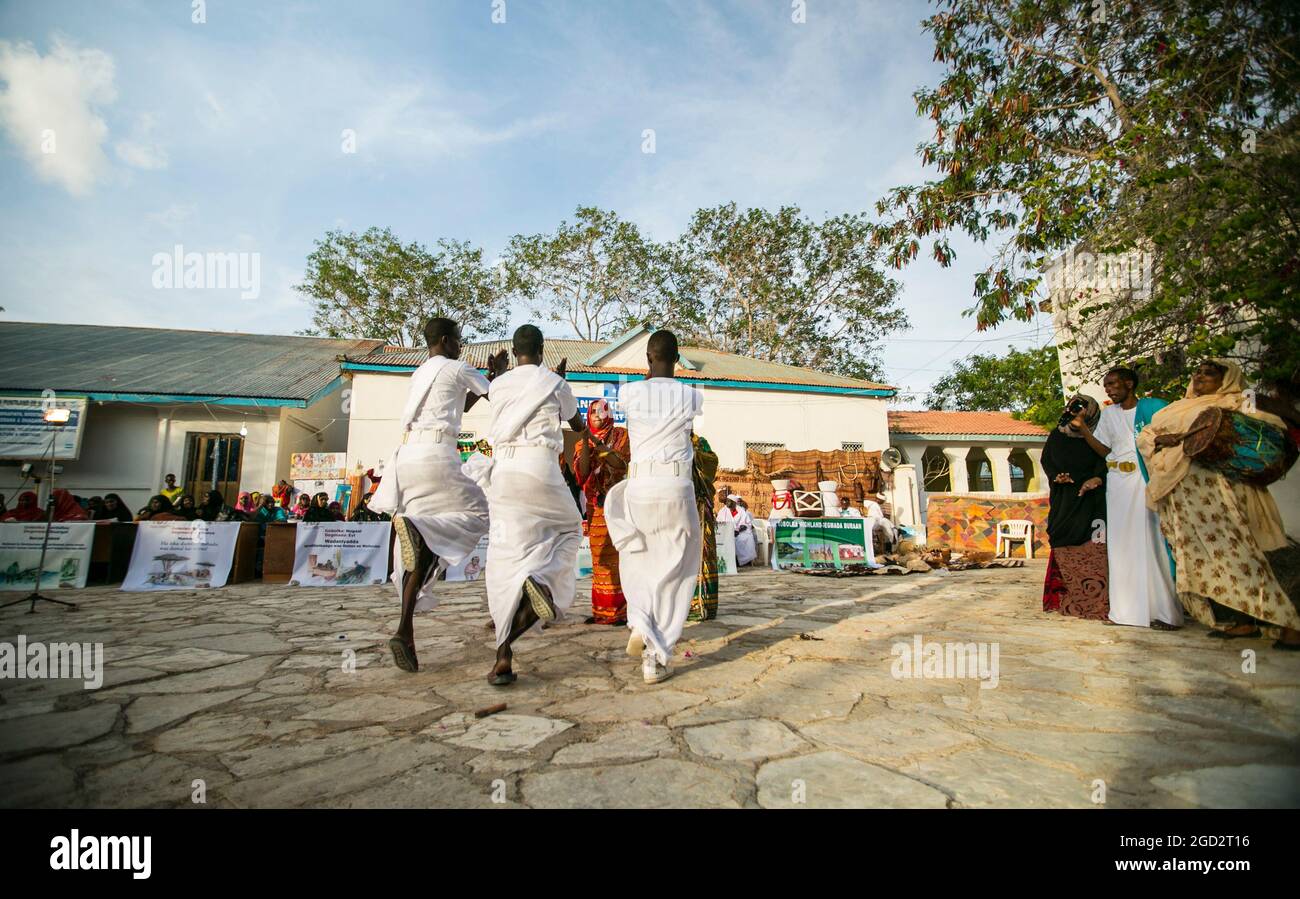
(821, 543)
(341, 553)
(318, 466)
(25, 435)
(181, 555)
(726, 540)
(473, 566)
(67, 558)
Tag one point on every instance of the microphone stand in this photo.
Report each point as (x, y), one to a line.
(45, 543)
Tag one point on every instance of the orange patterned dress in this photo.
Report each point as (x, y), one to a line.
(608, 606)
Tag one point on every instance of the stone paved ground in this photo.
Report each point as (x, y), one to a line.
(245, 689)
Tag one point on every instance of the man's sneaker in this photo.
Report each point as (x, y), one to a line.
(539, 596)
(651, 671)
(635, 645)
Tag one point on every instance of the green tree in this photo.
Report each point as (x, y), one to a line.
(1162, 126)
(372, 285)
(781, 287)
(597, 275)
(1025, 382)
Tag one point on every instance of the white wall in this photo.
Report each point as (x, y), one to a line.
(731, 418)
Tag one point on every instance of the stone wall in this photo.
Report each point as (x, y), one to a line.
(967, 522)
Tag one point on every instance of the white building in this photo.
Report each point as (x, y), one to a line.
(747, 402)
(219, 410)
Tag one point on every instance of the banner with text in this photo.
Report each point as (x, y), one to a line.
(821, 543)
(341, 553)
(181, 555)
(67, 558)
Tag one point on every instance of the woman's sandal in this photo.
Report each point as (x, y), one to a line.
(503, 680)
(404, 655)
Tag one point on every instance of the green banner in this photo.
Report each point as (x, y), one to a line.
(820, 542)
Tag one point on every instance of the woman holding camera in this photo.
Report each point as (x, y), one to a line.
(1076, 567)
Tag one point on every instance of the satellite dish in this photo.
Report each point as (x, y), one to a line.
(891, 458)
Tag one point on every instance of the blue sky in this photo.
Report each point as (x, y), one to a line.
(227, 136)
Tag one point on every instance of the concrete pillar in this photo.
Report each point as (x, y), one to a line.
(998, 459)
(957, 468)
(902, 496)
(1040, 484)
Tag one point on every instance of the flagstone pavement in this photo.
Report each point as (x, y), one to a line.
(273, 696)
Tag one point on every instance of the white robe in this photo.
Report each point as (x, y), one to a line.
(652, 516)
(423, 481)
(1139, 581)
(536, 529)
(746, 544)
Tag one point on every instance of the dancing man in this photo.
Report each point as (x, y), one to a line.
(439, 514)
(652, 516)
(536, 529)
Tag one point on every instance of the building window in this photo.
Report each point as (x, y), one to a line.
(851, 447)
(760, 447)
(1022, 472)
(979, 471)
(934, 466)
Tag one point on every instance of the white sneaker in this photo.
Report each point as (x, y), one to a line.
(651, 671)
(635, 645)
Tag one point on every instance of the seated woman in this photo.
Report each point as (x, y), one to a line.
(269, 511)
(1218, 528)
(244, 505)
(95, 508)
(26, 509)
(336, 509)
(159, 509)
(66, 507)
(320, 509)
(1076, 566)
(365, 513)
(214, 508)
(114, 509)
(301, 508)
(186, 508)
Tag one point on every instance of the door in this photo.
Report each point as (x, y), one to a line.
(213, 462)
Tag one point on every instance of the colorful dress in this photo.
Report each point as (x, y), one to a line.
(705, 604)
(1077, 579)
(608, 606)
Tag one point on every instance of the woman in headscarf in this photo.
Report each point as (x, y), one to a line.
(186, 508)
(159, 509)
(365, 513)
(244, 505)
(1218, 528)
(281, 493)
(214, 508)
(95, 508)
(1076, 565)
(320, 509)
(27, 509)
(336, 509)
(66, 507)
(600, 461)
(705, 604)
(301, 508)
(114, 509)
(268, 511)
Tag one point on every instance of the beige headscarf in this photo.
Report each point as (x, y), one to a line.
(1167, 467)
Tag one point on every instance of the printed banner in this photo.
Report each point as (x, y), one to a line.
(474, 566)
(821, 543)
(317, 466)
(181, 555)
(726, 540)
(67, 558)
(24, 433)
(341, 553)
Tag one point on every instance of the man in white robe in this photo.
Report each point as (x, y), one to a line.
(1140, 582)
(875, 515)
(439, 514)
(536, 528)
(737, 517)
(652, 515)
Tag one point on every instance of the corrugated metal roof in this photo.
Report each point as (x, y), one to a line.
(711, 365)
(983, 424)
(100, 359)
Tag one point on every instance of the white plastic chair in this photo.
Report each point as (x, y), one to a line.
(1010, 531)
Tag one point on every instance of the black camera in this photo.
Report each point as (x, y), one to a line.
(1076, 406)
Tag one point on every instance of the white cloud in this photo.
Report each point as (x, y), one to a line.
(174, 215)
(49, 109)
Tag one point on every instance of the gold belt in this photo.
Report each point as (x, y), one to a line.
(1126, 467)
